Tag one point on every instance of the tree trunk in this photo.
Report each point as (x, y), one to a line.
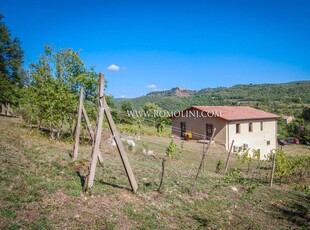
(2, 109)
(52, 133)
(59, 130)
(8, 108)
(58, 135)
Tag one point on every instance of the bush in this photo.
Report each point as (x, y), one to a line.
(291, 167)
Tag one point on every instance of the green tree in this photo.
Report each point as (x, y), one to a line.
(126, 107)
(51, 98)
(11, 72)
(149, 107)
(283, 165)
(306, 133)
(306, 114)
(112, 106)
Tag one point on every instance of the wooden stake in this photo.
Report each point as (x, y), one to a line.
(91, 132)
(273, 168)
(120, 148)
(204, 155)
(78, 127)
(203, 150)
(162, 173)
(89, 127)
(95, 150)
(228, 157)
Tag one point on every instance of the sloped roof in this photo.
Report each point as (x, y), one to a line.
(235, 113)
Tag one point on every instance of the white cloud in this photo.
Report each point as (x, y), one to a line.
(151, 86)
(123, 96)
(113, 67)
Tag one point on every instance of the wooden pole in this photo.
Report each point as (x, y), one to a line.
(204, 155)
(273, 168)
(89, 127)
(95, 150)
(91, 132)
(203, 150)
(228, 157)
(78, 126)
(162, 173)
(120, 148)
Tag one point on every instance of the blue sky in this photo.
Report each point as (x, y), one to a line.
(158, 45)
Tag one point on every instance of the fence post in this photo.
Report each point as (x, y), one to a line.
(120, 148)
(91, 132)
(203, 156)
(273, 168)
(228, 157)
(95, 150)
(78, 126)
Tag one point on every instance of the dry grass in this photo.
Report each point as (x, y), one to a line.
(40, 188)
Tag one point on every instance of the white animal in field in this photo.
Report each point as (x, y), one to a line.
(130, 143)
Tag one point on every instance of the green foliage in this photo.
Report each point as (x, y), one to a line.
(233, 175)
(7, 212)
(149, 106)
(12, 76)
(282, 129)
(303, 188)
(219, 166)
(181, 150)
(245, 158)
(291, 168)
(170, 149)
(300, 167)
(277, 98)
(112, 106)
(256, 153)
(126, 107)
(283, 165)
(306, 132)
(51, 98)
(306, 114)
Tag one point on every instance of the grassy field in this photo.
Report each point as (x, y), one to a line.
(41, 188)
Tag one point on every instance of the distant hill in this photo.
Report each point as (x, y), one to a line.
(178, 91)
(271, 97)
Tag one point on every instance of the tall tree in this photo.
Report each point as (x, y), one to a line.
(51, 98)
(11, 72)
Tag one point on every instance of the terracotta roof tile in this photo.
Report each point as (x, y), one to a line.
(234, 113)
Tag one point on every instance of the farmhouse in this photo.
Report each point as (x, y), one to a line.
(249, 128)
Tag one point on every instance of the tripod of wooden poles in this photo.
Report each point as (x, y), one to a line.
(103, 110)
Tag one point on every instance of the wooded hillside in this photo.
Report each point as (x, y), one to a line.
(270, 97)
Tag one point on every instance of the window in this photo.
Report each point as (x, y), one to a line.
(250, 127)
(268, 142)
(237, 128)
(183, 128)
(261, 126)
